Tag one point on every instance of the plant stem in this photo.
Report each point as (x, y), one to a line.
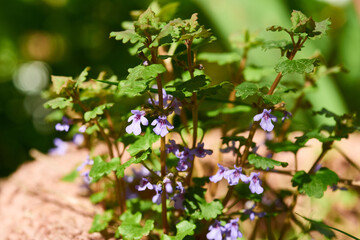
(326, 146)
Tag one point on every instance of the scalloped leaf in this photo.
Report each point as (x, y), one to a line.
(101, 221)
(184, 228)
(99, 110)
(295, 66)
(127, 36)
(264, 163)
(130, 228)
(59, 102)
(145, 72)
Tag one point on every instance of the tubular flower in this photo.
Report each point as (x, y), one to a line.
(266, 119)
(162, 126)
(136, 119)
(255, 186)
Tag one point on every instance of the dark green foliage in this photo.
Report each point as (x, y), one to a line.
(264, 163)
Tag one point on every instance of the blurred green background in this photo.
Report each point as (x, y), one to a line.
(61, 37)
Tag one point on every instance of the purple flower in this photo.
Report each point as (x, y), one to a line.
(86, 177)
(157, 197)
(219, 175)
(146, 63)
(215, 231)
(78, 139)
(232, 230)
(61, 147)
(64, 126)
(183, 165)
(266, 118)
(187, 154)
(82, 129)
(233, 176)
(252, 214)
(87, 161)
(201, 152)
(178, 201)
(179, 187)
(255, 183)
(167, 184)
(144, 184)
(162, 124)
(136, 119)
(335, 187)
(172, 147)
(286, 116)
(176, 104)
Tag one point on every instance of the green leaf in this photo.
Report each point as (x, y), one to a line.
(101, 221)
(184, 228)
(101, 168)
(82, 76)
(321, 226)
(197, 207)
(302, 23)
(313, 134)
(319, 182)
(246, 89)
(97, 197)
(275, 28)
(132, 88)
(70, 177)
(145, 72)
(322, 27)
(220, 58)
(60, 82)
(59, 102)
(90, 130)
(284, 45)
(264, 163)
(131, 228)
(316, 184)
(286, 146)
(127, 35)
(147, 24)
(192, 85)
(234, 110)
(168, 11)
(295, 66)
(99, 110)
(142, 156)
(143, 143)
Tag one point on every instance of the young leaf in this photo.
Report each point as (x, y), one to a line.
(264, 163)
(59, 102)
(126, 36)
(60, 82)
(99, 110)
(147, 24)
(276, 28)
(82, 76)
(145, 72)
(131, 228)
(101, 168)
(143, 143)
(295, 66)
(322, 27)
(302, 24)
(101, 221)
(184, 228)
(97, 197)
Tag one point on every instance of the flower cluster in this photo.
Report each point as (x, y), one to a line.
(86, 173)
(178, 198)
(162, 125)
(230, 230)
(187, 154)
(64, 126)
(234, 175)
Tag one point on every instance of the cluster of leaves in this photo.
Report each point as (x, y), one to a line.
(91, 103)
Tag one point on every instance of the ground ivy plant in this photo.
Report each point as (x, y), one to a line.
(154, 125)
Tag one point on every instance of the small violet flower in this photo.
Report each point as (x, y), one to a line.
(136, 119)
(201, 152)
(144, 184)
(172, 147)
(61, 147)
(157, 197)
(180, 187)
(87, 161)
(219, 175)
(167, 184)
(162, 126)
(287, 115)
(86, 177)
(64, 126)
(178, 201)
(82, 129)
(215, 231)
(232, 230)
(183, 165)
(255, 186)
(233, 176)
(266, 119)
(78, 139)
